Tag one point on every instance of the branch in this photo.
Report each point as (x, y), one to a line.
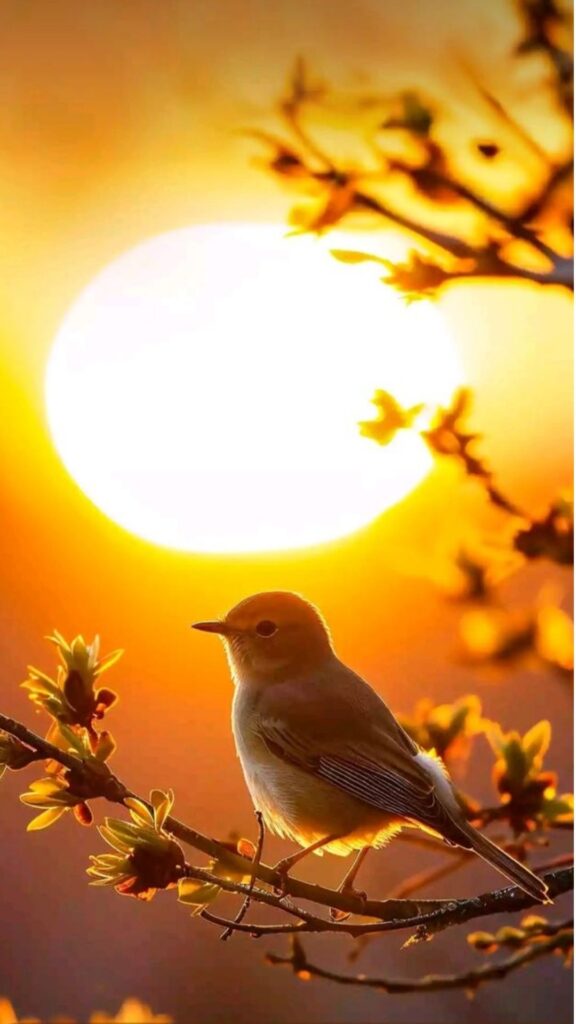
(255, 865)
(423, 878)
(451, 244)
(515, 226)
(560, 940)
(488, 263)
(427, 916)
(558, 175)
(510, 121)
(426, 923)
(348, 188)
(491, 265)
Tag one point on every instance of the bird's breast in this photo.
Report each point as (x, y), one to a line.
(269, 780)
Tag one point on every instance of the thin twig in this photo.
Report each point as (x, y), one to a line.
(536, 206)
(255, 865)
(391, 914)
(447, 914)
(510, 121)
(561, 940)
(424, 878)
(517, 229)
(489, 260)
(449, 243)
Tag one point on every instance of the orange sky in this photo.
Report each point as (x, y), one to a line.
(118, 121)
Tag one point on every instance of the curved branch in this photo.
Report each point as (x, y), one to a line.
(255, 865)
(426, 916)
(425, 924)
(560, 940)
(435, 178)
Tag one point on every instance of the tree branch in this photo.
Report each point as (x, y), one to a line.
(437, 177)
(425, 923)
(255, 865)
(560, 940)
(487, 260)
(426, 916)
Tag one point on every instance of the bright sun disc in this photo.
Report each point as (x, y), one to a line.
(205, 389)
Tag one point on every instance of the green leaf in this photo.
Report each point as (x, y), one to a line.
(138, 811)
(106, 746)
(162, 803)
(108, 661)
(45, 819)
(194, 892)
(495, 736)
(47, 786)
(108, 860)
(517, 765)
(109, 881)
(558, 807)
(537, 740)
(74, 739)
(351, 256)
(57, 638)
(109, 837)
(124, 830)
(132, 834)
(40, 681)
(34, 800)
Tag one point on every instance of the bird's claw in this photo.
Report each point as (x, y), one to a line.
(282, 868)
(340, 916)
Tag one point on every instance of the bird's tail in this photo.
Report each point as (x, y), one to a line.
(507, 865)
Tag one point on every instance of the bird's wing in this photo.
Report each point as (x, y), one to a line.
(359, 748)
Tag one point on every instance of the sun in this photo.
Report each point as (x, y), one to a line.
(205, 389)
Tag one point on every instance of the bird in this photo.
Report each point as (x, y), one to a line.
(326, 763)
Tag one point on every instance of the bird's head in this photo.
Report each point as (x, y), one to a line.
(272, 636)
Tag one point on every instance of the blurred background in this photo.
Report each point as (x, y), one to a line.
(120, 121)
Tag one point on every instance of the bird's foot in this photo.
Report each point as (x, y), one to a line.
(340, 916)
(283, 868)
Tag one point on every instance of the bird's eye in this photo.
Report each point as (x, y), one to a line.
(266, 628)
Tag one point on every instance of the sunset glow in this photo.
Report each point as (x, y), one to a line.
(205, 389)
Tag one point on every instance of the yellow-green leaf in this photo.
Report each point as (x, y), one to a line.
(108, 661)
(162, 803)
(351, 256)
(138, 811)
(109, 837)
(197, 893)
(537, 740)
(45, 819)
(73, 739)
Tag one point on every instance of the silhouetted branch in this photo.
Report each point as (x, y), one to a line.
(427, 916)
(559, 939)
(426, 924)
(432, 174)
(255, 865)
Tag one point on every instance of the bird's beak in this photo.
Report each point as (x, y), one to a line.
(212, 627)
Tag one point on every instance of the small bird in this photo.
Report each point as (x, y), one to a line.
(325, 760)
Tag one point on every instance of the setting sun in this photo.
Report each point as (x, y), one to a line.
(205, 389)
(288, 524)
